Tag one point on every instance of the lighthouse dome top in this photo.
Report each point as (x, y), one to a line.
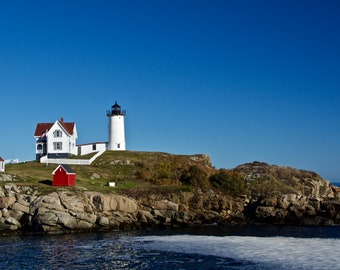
(116, 110)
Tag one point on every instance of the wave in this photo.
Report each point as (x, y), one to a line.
(269, 252)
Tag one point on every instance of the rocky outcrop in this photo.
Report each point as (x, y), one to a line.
(295, 209)
(250, 193)
(284, 180)
(284, 195)
(24, 209)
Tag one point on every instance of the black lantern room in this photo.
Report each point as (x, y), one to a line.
(115, 110)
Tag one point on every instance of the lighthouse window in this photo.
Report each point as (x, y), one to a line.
(57, 133)
(118, 145)
(57, 146)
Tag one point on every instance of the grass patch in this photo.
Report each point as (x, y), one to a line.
(128, 169)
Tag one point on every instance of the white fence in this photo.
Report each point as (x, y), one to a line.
(12, 161)
(44, 159)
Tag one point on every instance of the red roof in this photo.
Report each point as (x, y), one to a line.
(1, 159)
(42, 127)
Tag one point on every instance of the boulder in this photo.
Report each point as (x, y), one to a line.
(15, 214)
(66, 220)
(145, 217)
(8, 227)
(5, 213)
(13, 221)
(111, 202)
(84, 225)
(11, 187)
(5, 202)
(71, 202)
(51, 202)
(95, 176)
(182, 197)
(297, 211)
(310, 210)
(315, 203)
(22, 201)
(332, 208)
(95, 201)
(6, 177)
(283, 202)
(272, 201)
(103, 221)
(265, 212)
(209, 216)
(105, 202)
(90, 218)
(166, 208)
(126, 204)
(45, 218)
(26, 190)
(19, 207)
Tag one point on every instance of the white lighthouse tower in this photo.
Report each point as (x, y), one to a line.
(116, 128)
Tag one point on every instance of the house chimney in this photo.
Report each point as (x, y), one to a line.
(62, 119)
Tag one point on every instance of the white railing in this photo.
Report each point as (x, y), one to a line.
(11, 161)
(96, 155)
(44, 159)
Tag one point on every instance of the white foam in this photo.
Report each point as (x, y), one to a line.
(278, 252)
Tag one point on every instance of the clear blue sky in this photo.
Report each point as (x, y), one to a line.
(237, 80)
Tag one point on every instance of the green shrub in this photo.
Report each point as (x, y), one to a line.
(230, 182)
(196, 177)
(164, 170)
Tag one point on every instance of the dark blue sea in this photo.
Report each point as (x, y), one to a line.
(215, 247)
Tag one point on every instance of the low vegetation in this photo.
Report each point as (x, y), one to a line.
(141, 171)
(128, 169)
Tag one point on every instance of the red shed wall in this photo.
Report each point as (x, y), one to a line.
(61, 178)
(71, 180)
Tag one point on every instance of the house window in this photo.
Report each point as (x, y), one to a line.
(57, 146)
(94, 147)
(39, 147)
(57, 133)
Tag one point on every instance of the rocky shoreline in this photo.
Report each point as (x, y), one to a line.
(24, 210)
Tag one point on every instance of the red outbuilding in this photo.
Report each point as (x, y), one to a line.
(63, 175)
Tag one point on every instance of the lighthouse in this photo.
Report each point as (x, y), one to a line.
(116, 128)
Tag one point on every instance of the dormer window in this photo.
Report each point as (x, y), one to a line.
(57, 133)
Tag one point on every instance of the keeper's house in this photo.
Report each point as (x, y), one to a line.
(2, 165)
(56, 140)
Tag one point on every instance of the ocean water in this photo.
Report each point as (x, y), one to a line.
(215, 247)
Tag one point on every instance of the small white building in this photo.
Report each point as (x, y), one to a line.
(56, 140)
(88, 148)
(2, 165)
